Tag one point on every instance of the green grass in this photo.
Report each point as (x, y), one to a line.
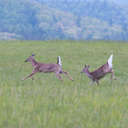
(47, 102)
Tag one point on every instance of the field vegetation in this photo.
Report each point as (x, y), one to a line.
(47, 102)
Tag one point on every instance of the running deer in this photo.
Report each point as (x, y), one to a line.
(99, 73)
(46, 68)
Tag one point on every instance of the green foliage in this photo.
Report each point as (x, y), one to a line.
(48, 19)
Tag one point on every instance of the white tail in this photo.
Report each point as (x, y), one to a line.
(47, 68)
(110, 61)
(99, 73)
(59, 61)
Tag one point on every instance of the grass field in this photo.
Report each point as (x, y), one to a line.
(47, 102)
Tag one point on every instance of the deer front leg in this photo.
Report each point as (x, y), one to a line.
(91, 82)
(30, 75)
(97, 82)
(67, 74)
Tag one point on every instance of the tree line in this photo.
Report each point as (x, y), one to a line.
(62, 19)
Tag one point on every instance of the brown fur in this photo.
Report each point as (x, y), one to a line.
(46, 68)
(99, 73)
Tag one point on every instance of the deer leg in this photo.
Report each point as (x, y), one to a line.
(91, 82)
(32, 78)
(67, 74)
(97, 82)
(30, 75)
(113, 75)
(58, 76)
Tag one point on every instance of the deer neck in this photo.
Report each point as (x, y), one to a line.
(87, 72)
(34, 62)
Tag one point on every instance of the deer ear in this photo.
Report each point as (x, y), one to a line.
(33, 54)
(88, 66)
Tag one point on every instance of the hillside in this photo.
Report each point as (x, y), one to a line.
(77, 20)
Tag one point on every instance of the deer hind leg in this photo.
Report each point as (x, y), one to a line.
(32, 78)
(67, 74)
(58, 76)
(33, 72)
(113, 75)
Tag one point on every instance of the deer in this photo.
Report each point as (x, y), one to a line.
(46, 68)
(102, 71)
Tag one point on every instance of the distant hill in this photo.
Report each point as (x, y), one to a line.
(64, 19)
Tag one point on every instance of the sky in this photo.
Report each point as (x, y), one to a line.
(123, 2)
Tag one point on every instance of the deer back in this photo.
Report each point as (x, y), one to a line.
(49, 67)
(101, 71)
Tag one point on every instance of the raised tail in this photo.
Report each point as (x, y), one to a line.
(59, 61)
(110, 61)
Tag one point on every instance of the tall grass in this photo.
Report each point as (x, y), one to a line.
(47, 102)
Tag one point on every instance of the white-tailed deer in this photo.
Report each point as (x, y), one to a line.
(99, 73)
(46, 68)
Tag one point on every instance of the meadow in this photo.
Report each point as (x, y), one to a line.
(47, 102)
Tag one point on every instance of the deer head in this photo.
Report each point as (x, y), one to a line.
(85, 69)
(30, 58)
